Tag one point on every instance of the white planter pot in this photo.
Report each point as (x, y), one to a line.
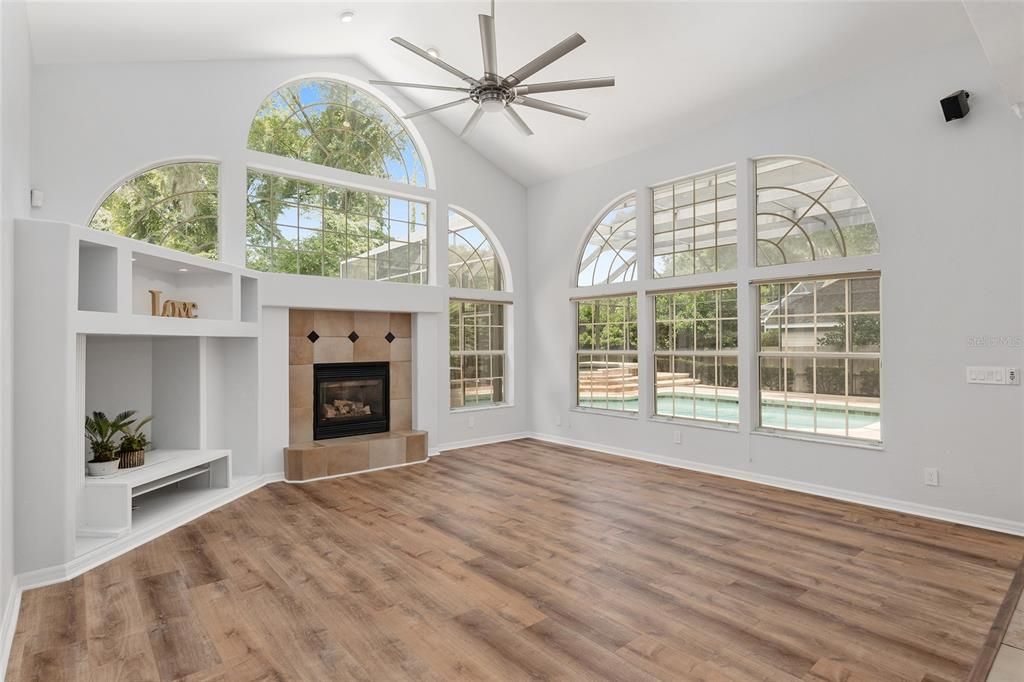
(102, 468)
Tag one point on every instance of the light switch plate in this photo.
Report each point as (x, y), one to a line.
(987, 375)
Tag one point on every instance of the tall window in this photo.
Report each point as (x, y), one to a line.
(808, 212)
(331, 123)
(695, 225)
(310, 228)
(607, 375)
(472, 260)
(819, 355)
(477, 360)
(610, 253)
(695, 355)
(174, 205)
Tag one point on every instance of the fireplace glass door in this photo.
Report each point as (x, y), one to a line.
(350, 399)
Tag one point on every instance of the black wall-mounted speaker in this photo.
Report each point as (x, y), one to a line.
(955, 106)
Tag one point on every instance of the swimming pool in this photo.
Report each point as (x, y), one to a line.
(773, 415)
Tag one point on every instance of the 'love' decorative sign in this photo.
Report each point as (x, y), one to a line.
(171, 308)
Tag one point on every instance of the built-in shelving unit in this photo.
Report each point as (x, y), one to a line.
(86, 340)
(113, 505)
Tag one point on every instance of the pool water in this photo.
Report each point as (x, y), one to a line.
(772, 415)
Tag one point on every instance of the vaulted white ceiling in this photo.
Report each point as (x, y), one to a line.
(678, 65)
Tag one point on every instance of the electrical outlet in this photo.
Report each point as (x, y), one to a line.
(471, 422)
(677, 437)
(931, 476)
(558, 420)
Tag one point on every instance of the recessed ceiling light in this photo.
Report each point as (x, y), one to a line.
(182, 269)
(348, 17)
(434, 52)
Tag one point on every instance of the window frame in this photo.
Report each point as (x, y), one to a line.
(848, 356)
(323, 186)
(383, 101)
(716, 223)
(492, 242)
(219, 246)
(746, 277)
(634, 352)
(503, 353)
(620, 203)
(717, 354)
(798, 224)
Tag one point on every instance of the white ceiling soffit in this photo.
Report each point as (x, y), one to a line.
(678, 65)
(1000, 28)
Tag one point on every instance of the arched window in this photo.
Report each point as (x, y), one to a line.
(473, 262)
(819, 338)
(610, 253)
(174, 205)
(332, 123)
(808, 212)
(478, 365)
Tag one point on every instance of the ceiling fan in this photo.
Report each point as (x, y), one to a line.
(492, 93)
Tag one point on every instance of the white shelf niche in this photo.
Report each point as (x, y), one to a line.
(210, 288)
(97, 277)
(159, 376)
(203, 394)
(250, 302)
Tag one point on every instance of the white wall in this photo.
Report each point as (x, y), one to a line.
(94, 125)
(15, 61)
(947, 202)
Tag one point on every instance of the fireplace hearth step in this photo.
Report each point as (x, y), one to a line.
(340, 456)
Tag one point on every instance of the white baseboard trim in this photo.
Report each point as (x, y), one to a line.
(474, 442)
(938, 513)
(9, 623)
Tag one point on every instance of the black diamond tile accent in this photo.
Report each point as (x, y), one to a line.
(312, 336)
(353, 337)
(390, 337)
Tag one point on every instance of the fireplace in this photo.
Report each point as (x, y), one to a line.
(350, 398)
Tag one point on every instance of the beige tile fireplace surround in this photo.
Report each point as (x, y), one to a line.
(319, 336)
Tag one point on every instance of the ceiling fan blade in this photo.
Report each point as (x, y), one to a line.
(473, 120)
(423, 86)
(559, 86)
(434, 60)
(517, 120)
(489, 45)
(552, 108)
(437, 108)
(554, 54)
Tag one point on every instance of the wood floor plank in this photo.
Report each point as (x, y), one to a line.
(525, 560)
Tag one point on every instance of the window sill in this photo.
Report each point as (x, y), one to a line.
(480, 408)
(632, 416)
(875, 446)
(728, 427)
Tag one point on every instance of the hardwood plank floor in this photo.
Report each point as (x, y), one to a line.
(527, 560)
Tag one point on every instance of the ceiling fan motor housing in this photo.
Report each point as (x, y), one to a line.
(492, 96)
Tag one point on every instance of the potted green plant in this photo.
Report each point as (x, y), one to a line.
(101, 431)
(132, 450)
